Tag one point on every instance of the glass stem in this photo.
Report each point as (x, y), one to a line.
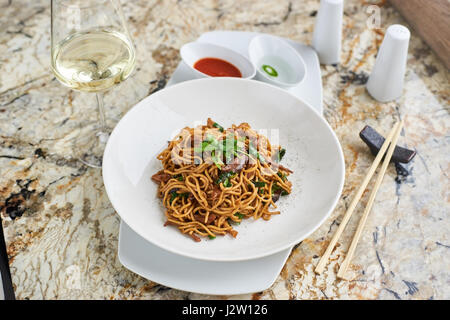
(101, 111)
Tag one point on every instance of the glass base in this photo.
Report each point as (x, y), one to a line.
(90, 144)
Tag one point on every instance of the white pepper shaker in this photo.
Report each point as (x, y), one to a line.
(327, 35)
(385, 82)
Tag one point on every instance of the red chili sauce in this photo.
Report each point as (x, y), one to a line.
(217, 68)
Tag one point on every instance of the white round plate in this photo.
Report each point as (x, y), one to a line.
(313, 153)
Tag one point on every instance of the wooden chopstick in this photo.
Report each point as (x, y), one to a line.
(373, 194)
(323, 261)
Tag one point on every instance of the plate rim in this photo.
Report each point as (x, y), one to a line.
(227, 259)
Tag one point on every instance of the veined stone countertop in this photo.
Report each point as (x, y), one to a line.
(61, 230)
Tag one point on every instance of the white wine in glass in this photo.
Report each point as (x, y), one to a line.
(91, 51)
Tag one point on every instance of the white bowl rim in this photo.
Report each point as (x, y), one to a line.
(287, 45)
(287, 245)
(247, 60)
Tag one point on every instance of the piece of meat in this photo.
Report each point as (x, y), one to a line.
(285, 169)
(210, 123)
(160, 177)
(211, 218)
(236, 165)
(276, 195)
(215, 193)
(276, 166)
(233, 233)
(169, 223)
(244, 126)
(201, 218)
(196, 238)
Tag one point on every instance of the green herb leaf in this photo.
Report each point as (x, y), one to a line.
(172, 197)
(218, 126)
(229, 147)
(218, 162)
(209, 144)
(211, 237)
(252, 151)
(276, 188)
(205, 144)
(259, 184)
(224, 177)
(281, 175)
(179, 177)
(281, 154)
(239, 215)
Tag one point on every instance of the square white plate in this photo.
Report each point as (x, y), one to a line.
(183, 273)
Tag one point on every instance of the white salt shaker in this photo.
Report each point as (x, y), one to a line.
(385, 82)
(328, 31)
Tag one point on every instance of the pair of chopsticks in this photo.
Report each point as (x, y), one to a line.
(392, 140)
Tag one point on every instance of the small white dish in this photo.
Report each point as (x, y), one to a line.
(193, 275)
(313, 153)
(276, 62)
(194, 51)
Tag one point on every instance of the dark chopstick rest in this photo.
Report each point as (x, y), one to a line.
(374, 140)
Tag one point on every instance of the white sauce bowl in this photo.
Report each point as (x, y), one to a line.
(279, 55)
(194, 51)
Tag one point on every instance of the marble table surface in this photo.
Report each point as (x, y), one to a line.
(62, 232)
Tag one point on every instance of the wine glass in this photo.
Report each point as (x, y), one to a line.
(91, 51)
